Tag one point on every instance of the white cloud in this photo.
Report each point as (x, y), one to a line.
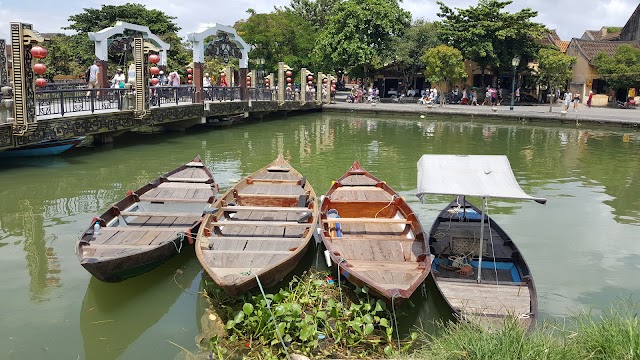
(569, 17)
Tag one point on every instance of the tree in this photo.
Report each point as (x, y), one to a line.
(622, 70)
(554, 69)
(68, 55)
(159, 23)
(444, 64)
(278, 36)
(407, 49)
(314, 12)
(488, 35)
(359, 31)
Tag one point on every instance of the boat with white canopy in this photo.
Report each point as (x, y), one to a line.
(477, 267)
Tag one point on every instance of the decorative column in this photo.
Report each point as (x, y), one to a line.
(331, 86)
(24, 106)
(282, 67)
(6, 106)
(103, 74)
(322, 79)
(141, 105)
(243, 84)
(253, 74)
(198, 76)
(306, 78)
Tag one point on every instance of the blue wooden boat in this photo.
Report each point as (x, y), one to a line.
(43, 148)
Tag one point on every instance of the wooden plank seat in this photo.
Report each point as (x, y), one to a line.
(247, 252)
(383, 264)
(194, 164)
(255, 238)
(116, 247)
(284, 196)
(275, 181)
(265, 208)
(159, 214)
(182, 185)
(191, 180)
(371, 238)
(259, 223)
(142, 229)
(366, 220)
(162, 200)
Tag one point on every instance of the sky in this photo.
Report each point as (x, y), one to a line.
(570, 18)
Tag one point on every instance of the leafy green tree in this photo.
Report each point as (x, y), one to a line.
(622, 70)
(444, 64)
(490, 36)
(406, 50)
(314, 12)
(554, 69)
(68, 55)
(159, 23)
(359, 32)
(278, 36)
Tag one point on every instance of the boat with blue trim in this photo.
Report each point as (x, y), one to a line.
(43, 148)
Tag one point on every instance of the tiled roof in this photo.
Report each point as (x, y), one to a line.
(590, 49)
(563, 45)
(553, 39)
(598, 34)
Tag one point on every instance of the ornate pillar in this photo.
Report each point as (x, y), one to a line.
(141, 104)
(243, 84)
(198, 76)
(282, 67)
(6, 105)
(103, 74)
(321, 78)
(330, 82)
(304, 73)
(24, 105)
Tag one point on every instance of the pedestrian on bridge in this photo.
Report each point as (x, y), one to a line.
(93, 72)
(174, 79)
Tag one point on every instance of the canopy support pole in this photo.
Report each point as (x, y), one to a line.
(484, 203)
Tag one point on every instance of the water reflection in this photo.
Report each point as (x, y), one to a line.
(114, 316)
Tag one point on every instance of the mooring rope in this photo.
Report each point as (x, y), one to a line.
(181, 240)
(275, 324)
(493, 251)
(395, 318)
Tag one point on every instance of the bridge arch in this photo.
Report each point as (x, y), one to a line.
(101, 40)
(198, 38)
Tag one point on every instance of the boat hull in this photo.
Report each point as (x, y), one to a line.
(507, 287)
(45, 148)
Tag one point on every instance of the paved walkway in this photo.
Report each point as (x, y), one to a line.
(626, 117)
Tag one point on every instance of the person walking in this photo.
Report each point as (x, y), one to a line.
(567, 100)
(576, 101)
(174, 79)
(590, 99)
(118, 79)
(93, 72)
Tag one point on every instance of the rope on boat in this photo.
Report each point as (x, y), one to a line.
(395, 318)
(275, 325)
(493, 251)
(393, 198)
(339, 285)
(181, 240)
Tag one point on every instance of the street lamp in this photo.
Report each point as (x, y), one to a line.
(515, 62)
(260, 63)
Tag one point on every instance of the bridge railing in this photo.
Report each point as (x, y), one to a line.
(261, 94)
(222, 93)
(165, 95)
(64, 101)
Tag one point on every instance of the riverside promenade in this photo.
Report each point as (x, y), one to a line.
(609, 116)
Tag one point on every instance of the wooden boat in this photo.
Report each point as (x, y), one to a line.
(478, 268)
(506, 286)
(148, 226)
(373, 236)
(262, 225)
(43, 148)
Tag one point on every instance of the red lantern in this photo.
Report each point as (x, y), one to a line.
(154, 70)
(154, 59)
(189, 76)
(154, 81)
(40, 82)
(333, 87)
(249, 83)
(39, 68)
(39, 52)
(324, 81)
(288, 79)
(289, 85)
(333, 81)
(310, 83)
(189, 82)
(310, 77)
(289, 73)
(189, 70)
(248, 78)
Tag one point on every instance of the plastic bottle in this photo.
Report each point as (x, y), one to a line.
(96, 228)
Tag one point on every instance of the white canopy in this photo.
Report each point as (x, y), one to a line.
(486, 176)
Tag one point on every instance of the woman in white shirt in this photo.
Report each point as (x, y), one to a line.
(118, 79)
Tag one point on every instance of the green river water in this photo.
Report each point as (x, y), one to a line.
(582, 247)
